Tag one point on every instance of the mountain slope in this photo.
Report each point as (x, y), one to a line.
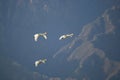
(96, 49)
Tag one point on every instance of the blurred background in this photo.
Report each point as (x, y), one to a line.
(91, 54)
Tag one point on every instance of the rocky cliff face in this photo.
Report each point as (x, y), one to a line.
(96, 49)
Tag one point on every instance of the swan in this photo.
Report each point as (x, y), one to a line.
(66, 36)
(40, 62)
(37, 35)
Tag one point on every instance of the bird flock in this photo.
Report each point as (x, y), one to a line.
(44, 35)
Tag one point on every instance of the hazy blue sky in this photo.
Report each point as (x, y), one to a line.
(56, 17)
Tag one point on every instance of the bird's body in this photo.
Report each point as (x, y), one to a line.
(66, 36)
(36, 36)
(40, 62)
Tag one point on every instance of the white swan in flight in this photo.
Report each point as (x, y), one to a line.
(37, 35)
(66, 36)
(40, 62)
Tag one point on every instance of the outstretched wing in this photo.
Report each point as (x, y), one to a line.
(62, 37)
(45, 36)
(36, 63)
(69, 35)
(36, 37)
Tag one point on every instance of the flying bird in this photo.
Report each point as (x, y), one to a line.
(37, 35)
(66, 36)
(38, 62)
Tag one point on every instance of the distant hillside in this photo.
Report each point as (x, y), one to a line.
(96, 49)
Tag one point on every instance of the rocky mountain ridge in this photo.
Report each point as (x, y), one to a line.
(86, 46)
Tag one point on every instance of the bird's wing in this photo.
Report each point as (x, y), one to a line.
(71, 35)
(45, 36)
(62, 37)
(36, 63)
(36, 37)
(44, 60)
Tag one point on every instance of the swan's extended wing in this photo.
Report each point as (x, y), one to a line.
(36, 37)
(62, 37)
(37, 63)
(45, 36)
